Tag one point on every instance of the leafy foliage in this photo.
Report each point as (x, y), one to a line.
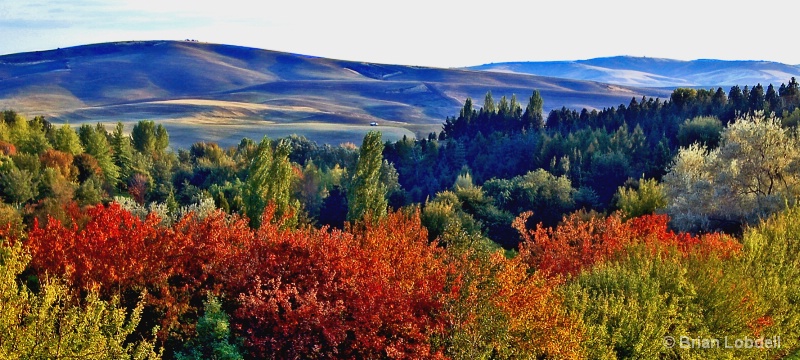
(213, 336)
(753, 174)
(367, 194)
(646, 198)
(52, 324)
(374, 290)
(579, 243)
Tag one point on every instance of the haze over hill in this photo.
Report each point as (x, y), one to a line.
(222, 93)
(655, 72)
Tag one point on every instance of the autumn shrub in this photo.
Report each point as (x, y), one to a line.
(579, 243)
(7, 148)
(61, 161)
(374, 290)
(52, 324)
(629, 306)
(503, 311)
(771, 264)
(646, 198)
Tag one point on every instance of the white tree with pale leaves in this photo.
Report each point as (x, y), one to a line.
(755, 172)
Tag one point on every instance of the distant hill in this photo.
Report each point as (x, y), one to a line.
(654, 72)
(222, 93)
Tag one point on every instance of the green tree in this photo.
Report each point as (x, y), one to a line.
(488, 104)
(647, 197)
(123, 152)
(66, 139)
(50, 324)
(533, 118)
(96, 144)
(367, 195)
(213, 339)
(18, 185)
(147, 137)
(704, 130)
(29, 136)
(269, 180)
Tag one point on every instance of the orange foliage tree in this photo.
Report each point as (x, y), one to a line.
(374, 290)
(504, 311)
(580, 242)
(110, 250)
(61, 161)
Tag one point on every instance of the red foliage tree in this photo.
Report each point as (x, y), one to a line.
(137, 187)
(113, 249)
(578, 243)
(7, 148)
(372, 291)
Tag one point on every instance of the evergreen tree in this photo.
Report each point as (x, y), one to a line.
(96, 144)
(757, 99)
(123, 152)
(773, 100)
(488, 105)
(149, 138)
(367, 195)
(533, 118)
(213, 336)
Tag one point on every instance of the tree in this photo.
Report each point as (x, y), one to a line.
(757, 99)
(51, 324)
(375, 290)
(213, 339)
(95, 142)
(270, 179)
(489, 105)
(367, 194)
(704, 130)
(147, 137)
(19, 185)
(123, 152)
(66, 139)
(754, 173)
(533, 117)
(646, 198)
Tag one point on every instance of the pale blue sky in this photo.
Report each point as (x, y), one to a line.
(420, 32)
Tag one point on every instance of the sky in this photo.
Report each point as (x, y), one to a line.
(420, 32)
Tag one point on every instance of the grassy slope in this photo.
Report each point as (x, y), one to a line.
(655, 72)
(222, 93)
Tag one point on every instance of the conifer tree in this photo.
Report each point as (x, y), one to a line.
(533, 118)
(96, 144)
(488, 104)
(123, 152)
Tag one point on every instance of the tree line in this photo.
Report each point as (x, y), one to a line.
(589, 234)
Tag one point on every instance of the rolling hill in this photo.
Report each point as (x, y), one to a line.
(222, 93)
(655, 72)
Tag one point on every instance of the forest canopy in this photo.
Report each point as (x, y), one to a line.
(509, 234)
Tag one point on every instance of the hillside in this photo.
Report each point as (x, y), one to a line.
(655, 72)
(223, 93)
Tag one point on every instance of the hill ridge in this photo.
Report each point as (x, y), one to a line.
(327, 100)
